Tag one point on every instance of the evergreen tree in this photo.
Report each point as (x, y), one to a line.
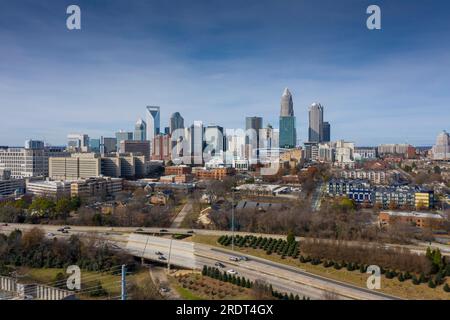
(431, 284)
(290, 237)
(447, 288)
(437, 258)
(422, 278)
(428, 254)
(204, 270)
(439, 279)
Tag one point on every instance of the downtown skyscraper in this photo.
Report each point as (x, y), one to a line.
(319, 131)
(153, 122)
(176, 122)
(288, 130)
(140, 130)
(315, 131)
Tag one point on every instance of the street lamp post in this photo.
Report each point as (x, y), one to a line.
(170, 252)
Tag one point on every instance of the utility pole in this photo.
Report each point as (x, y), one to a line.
(124, 283)
(143, 252)
(232, 219)
(170, 252)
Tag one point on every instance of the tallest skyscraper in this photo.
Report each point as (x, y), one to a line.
(288, 131)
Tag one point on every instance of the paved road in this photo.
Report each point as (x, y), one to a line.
(194, 255)
(419, 247)
(283, 278)
(316, 198)
(182, 214)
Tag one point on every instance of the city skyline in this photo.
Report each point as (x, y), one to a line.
(220, 65)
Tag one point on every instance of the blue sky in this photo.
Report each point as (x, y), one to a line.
(220, 61)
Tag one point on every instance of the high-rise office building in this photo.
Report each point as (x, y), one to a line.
(214, 140)
(94, 145)
(78, 142)
(10, 186)
(88, 165)
(108, 145)
(176, 122)
(161, 147)
(140, 130)
(253, 126)
(315, 123)
(441, 150)
(122, 136)
(136, 147)
(196, 143)
(326, 132)
(29, 161)
(288, 130)
(153, 122)
(34, 144)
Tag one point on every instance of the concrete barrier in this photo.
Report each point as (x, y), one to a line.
(34, 291)
(8, 284)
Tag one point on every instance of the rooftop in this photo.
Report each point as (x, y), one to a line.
(413, 214)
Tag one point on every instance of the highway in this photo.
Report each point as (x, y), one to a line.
(419, 247)
(194, 256)
(283, 278)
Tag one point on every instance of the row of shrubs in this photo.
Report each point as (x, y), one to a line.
(215, 273)
(433, 282)
(270, 245)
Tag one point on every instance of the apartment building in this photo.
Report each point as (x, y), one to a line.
(375, 177)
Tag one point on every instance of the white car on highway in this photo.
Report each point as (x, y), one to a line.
(232, 272)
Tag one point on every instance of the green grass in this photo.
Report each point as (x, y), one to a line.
(111, 283)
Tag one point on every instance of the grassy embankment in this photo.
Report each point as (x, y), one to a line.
(406, 289)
